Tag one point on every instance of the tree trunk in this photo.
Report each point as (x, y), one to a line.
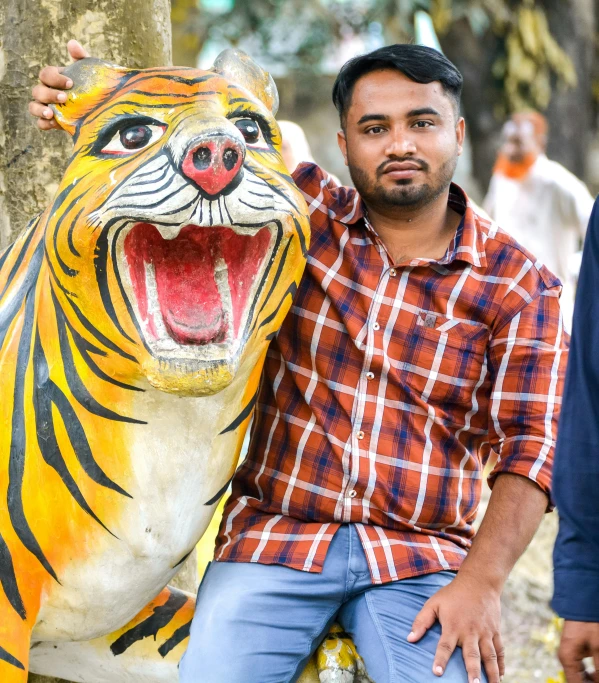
(474, 56)
(34, 33)
(571, 111)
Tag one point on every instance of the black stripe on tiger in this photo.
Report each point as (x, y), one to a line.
(101, 266)
(243, 415)
(178, 637)
(77, 387)
(80, 444)
(67, 270)
(98, 335)
(44, 395)
(6, 254)
(19, 260)
(292, 289)
(265, 274)
(9, 311)
(8, 580)
(275, 282)
(149, 627)
(9, 659)
(217, 496)
(72, 247)
(18, 442)
(117, 276)
(86, 348)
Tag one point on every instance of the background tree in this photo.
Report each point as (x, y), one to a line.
(514, 54)
(34, 33)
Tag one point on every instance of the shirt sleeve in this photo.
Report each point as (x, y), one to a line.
(576, 476)
(527, 359)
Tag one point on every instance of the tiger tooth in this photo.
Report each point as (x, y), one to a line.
(169, 232)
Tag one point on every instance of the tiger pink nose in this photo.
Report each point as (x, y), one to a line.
(214, 164)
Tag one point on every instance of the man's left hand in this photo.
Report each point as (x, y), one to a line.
(469, 612)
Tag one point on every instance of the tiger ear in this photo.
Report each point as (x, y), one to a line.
(240, 68)
(93, 80)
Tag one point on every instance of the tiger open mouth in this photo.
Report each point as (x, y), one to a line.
(194, 285)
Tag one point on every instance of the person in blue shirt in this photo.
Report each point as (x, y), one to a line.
(576, 478)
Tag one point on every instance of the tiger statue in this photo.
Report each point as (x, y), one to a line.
(135, 315)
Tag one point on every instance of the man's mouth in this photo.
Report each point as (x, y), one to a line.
(399, 170)
(196, 286)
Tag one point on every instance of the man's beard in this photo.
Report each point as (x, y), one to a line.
(405, 193)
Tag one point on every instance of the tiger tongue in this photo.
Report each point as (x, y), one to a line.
(188, 296)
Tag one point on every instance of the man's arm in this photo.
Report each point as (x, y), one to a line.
(576, 476)
(526, 361)
(469, 607)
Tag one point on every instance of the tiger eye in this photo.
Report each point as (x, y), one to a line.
(249, 129)
(135, 137)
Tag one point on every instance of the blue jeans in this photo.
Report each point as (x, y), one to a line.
(257, 623)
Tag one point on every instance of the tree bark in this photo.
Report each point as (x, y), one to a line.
(571, 113)
(34, 33)
(474, 56)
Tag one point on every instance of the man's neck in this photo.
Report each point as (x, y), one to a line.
(415, 232)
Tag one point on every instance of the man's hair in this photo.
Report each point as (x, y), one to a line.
(419, 63)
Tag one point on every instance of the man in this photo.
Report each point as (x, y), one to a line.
(421, 339)
(576, 554)
(539, 202)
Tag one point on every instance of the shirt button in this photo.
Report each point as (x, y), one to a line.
(376, 326)
(392, 272)
(352, 494)
(360, 435)
(370, 375)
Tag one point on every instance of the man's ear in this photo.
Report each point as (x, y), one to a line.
(241, 69)
(342, 142)
(93, 81)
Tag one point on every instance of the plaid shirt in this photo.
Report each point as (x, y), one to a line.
(388, 387)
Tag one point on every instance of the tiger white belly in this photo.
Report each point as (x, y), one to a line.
(179, 462)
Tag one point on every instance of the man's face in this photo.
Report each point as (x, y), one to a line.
(519, 141)
(401, 140)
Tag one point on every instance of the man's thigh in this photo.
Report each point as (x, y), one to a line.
(380, 620)
(257, 623)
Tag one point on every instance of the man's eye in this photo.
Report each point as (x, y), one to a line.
(376, 130)
(423, 124)
(133, 138)
(252, 134)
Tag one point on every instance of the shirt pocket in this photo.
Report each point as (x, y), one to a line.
(444, 359)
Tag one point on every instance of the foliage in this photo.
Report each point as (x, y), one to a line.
(301, 33)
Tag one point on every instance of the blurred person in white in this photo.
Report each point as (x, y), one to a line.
(296, 148)
(539, 202)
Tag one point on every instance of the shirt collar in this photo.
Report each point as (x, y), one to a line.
(468, 242)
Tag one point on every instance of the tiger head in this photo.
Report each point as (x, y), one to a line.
(177, 232)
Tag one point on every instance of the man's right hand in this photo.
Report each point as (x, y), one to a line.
(50, 90)
(580, 640)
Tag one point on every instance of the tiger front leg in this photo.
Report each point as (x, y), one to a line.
(146, 650)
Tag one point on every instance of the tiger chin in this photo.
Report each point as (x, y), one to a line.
(135, 315)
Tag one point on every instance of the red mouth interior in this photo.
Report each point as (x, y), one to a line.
(190, 302)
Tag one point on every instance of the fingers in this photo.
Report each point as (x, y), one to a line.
(53, 77)
(500, 652)
(471, 655)
(490, 660)
(46, 95)
(423, 621)
(445, 648)
(574, 673)
(76, 50)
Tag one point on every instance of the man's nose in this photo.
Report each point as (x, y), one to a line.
(401, 144)
(214, 163)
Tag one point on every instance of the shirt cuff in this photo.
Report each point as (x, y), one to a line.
(525, 464)
(576, 594)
